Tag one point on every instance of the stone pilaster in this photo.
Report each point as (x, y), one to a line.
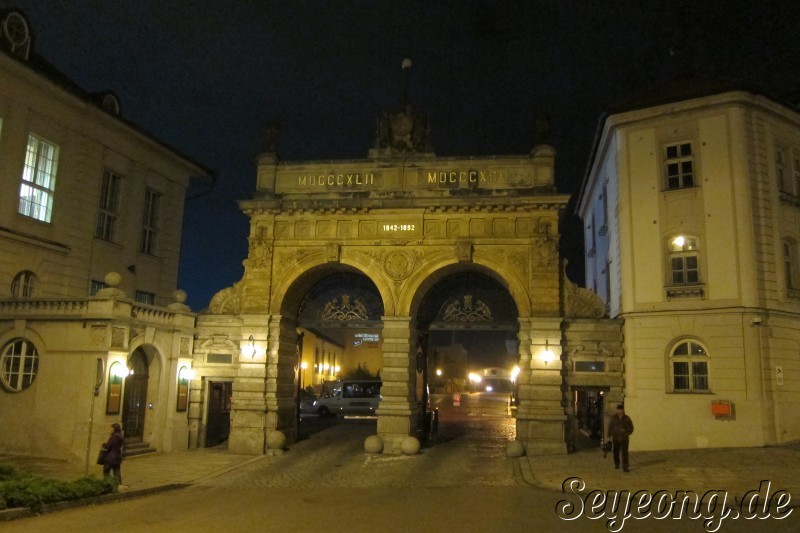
(249, 402)
(397, 412)
(540, 411)
(281, 382)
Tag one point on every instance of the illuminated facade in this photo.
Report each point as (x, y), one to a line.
(362, 244)
(691, 212)
(86, 195)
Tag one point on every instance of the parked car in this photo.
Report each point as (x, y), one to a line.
(350, 397)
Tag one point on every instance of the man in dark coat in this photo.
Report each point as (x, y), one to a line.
(620, 429)
(113, 457)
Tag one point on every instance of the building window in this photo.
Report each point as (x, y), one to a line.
(149, 222)
(23, 285)
(791, 267)
(109, 206)
(38, 179)
(95, 286)
(689, 367)
(145, 298)
(684, 260)
(679, 165)
(18, 365)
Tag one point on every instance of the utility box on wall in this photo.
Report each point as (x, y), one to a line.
(721, 408)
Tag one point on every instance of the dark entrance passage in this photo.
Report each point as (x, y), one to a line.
(218, 427)
(587, 417)
(135, 398)
(467, 350)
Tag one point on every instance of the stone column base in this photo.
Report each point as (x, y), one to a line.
(393, 429)
(247, 433)
(542, 437)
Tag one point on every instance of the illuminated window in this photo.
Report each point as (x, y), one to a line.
(150, 222)
(683, 260)
(19, 364)
(38, 179)
(679, 165)
(109, 206)
(689, 367)
(24, 285)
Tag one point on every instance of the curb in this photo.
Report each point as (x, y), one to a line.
(15, 513)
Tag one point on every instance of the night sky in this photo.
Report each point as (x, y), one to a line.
(208, 76)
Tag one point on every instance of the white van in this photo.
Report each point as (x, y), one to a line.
(350, 397)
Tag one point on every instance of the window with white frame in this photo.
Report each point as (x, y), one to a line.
(689, 361)
(19, 364)
(790, 264)
(684, 260)
(150, 222)
(38, 179)
(109, 206)
(679, 165)
(23, 285)
(787, 169)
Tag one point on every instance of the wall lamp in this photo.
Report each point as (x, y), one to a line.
(249, 349)
(547, 354)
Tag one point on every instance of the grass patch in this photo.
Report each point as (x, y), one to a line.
(20, 489)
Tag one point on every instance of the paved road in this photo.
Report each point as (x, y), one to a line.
(463, 483)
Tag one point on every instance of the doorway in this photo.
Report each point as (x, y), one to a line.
(218, 428)
(587, 414)
(135, 398)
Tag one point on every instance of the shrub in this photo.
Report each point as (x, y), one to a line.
(23, 490)
(7, 472)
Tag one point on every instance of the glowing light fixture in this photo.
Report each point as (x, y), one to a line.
(547, 354)
(249, 349)
(514, 373)
(303, 365)
(679, 241)
(474, 378)
(118, 370)
(438, 371)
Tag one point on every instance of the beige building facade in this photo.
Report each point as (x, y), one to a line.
(692, 222)
(85, 195)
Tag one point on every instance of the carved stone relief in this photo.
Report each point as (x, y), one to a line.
(580, 302)
(226, 301)
(345, 310)
(466, 309)
(399, 264)
(546, 253)
(332, 251)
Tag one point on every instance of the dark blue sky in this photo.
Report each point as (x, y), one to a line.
(207, 76)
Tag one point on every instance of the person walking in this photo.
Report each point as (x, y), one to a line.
(113, 456)
(620, 428)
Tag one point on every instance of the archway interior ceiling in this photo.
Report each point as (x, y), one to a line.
(466, 300)
(467, 308)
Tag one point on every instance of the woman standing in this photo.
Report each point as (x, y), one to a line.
(113, 457)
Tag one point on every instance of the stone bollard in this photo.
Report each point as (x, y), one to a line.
(515, 448)
(410, 445)
(276, 443)
(373, 444)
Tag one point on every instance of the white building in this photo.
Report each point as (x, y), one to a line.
(85, 193)
(691, 210)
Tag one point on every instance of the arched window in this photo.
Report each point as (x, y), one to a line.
(689, 362)
(19, 364)
(24, 285)
(684, 260)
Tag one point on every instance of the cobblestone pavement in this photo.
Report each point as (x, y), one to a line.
(468, 452)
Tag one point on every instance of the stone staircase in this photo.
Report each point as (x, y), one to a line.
(131, 449)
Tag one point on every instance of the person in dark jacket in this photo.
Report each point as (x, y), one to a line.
(113, 457)
(620, 429)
